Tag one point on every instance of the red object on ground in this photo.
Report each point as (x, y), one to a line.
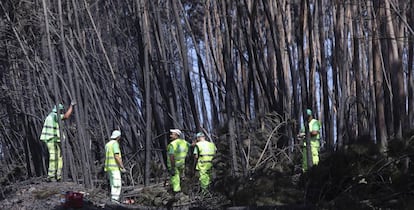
(73, 200)
(129, 201)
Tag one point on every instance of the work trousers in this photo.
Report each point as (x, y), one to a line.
(204, 170)
(315, 154)
(175, 180)
(115, 182)
(55, 161)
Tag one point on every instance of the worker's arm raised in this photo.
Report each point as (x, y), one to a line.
(69, 111)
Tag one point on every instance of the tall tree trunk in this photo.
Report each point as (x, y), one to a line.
(311, 59)
(337, 61)
(302, 75)
(209, 43)
(54, 77)
(327, 114)
(230, 84)
(410, 75)
(186, 67)
(279, 43)
(148, 82)
(360, 91)
(397, 77)
(378, 69)
(370, 58)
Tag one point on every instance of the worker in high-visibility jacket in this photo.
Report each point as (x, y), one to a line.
(177, 151)
(114, 165)
(204, 152)
(314, 132)
(51, 136)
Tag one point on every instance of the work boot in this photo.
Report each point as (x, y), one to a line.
(50, 179)
(115, 201)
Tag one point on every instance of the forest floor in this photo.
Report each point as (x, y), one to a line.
(37, 194)
(358, 177)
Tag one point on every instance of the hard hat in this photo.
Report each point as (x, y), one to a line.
(177, 131)
(308, 112)
(200, 134)
(115, 134)
(61, 107)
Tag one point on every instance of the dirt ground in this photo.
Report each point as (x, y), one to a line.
(36, 194)
(359, 178)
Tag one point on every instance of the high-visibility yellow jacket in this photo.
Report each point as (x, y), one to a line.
(111, 148)
(178, 148)
(50, 131)
(314, 125)
(205, 151)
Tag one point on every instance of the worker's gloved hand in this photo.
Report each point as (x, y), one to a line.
(172, 172)
(301, 135)
(73, 103)
(123, 170)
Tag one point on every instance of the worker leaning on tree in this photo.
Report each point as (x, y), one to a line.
(204, 152)
(114, 165)
(177, 151)
(314, 132)
(51, 136)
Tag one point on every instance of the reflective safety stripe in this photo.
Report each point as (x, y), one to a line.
(180, 148)
(115, 183)
(55, 160)
(50, 131)
(110, 162)
(206, 151)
